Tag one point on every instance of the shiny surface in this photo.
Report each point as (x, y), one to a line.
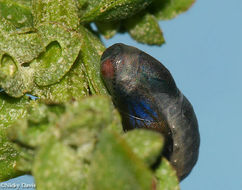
(146, 96)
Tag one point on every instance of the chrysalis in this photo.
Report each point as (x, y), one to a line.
(146, 96)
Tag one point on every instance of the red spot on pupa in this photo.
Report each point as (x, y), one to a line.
(107, 69)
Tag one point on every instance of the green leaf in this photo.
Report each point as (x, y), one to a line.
(8, 65)
(18, 84)
(11, 109)
(23, 47)
(27, 129)
(115, 166)
(166, 177)
(85, 71)
(6, 27)
(63, 12)
(112, 10)
(62, 49)
(108, 29)
(57, 167)
(81, 3)
(168, 9)
(74, 124)
(8, 157)
(146, 144)
(15, 50)
(62, 139)
(25, 3)
(116, 124)
(73, 86)
(83, 120)
(145, 29)
(31, 130)
(17, 12)
(93, 112)
(91, 52)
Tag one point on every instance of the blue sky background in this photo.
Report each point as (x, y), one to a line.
(203, 51)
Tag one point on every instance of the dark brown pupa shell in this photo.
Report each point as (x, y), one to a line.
(146, 95)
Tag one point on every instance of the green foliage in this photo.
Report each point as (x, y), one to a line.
(144, 28)
(49, 49)
(126, 172)
(17, 12)
(11, 109)
(112, 10)
(168, 9)
(147, 145)
(62, 49)
(91, 52)
(108, 29)
(62, 170)
(64, 12)
(166, 176)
